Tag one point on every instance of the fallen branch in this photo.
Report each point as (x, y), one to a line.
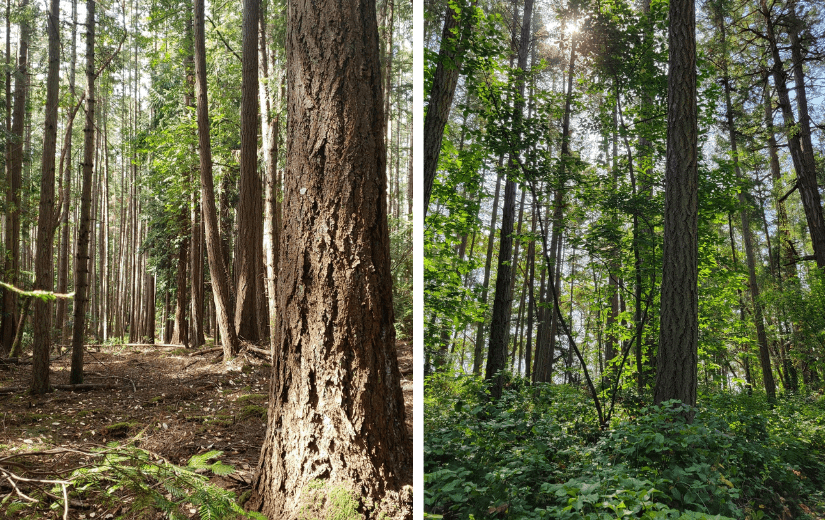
(259, 352)
(206, 351)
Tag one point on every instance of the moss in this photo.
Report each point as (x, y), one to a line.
(258, 398)
(178, 352)
(252, 411)
(324, 502)
(119, 429)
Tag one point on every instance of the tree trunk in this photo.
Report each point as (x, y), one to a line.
(270, 128)
(335, 345)
(442, 92)
(82, 259)
(15, 171)
(181, 332)
(217, 268)
(676, 375)
(478, 355)
(46, 220)
(762, 339)
(801, 151)
(502, 302)
(249, 235)
(63, 254)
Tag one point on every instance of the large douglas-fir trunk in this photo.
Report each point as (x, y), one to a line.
(336, 408)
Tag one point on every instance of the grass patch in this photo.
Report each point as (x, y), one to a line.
(253, 398)
(120, 429)
(252, 411)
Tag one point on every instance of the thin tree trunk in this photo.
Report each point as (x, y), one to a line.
(799, 142)
(250, 234)
(217, 268)
(14, 180)
(46, 220)
(82, 259)
(502, 302)
(478, 355)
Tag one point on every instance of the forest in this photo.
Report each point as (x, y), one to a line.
(207, 259)
(624, 255)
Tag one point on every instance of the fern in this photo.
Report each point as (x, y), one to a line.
(157, 485)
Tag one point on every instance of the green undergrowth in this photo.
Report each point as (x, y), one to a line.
(538, 453)
(156, 488)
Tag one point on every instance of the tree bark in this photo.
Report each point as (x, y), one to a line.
(336, 408)
(82, 259)
(15, 170)
(677, 360)
(63, 254)
(250, 233)
(217, 268)
(46, 219)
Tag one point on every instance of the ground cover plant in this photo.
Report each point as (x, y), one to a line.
(538, 453)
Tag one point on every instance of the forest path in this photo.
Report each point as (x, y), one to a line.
(178, 406)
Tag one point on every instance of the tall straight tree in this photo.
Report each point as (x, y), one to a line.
(214, 250)
(747, 235)
(46, 219)
(250, 208)
(82, 260)
(14, 180)
(500, 324)
(336, 408)
(677, 361)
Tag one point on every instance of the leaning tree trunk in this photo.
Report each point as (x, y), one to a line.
(217, 267)
(46, 220)
(678, 357)
(802, 156)
(336, 408)
(445, 79)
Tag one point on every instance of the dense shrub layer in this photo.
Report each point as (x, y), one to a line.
(538, 453)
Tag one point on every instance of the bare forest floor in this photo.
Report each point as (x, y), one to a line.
(166, 401)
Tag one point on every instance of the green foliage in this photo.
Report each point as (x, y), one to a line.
(158, 486)
(538, 450)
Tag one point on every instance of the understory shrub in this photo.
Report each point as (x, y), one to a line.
(538, 453)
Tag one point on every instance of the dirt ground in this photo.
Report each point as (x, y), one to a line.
(175, 405)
